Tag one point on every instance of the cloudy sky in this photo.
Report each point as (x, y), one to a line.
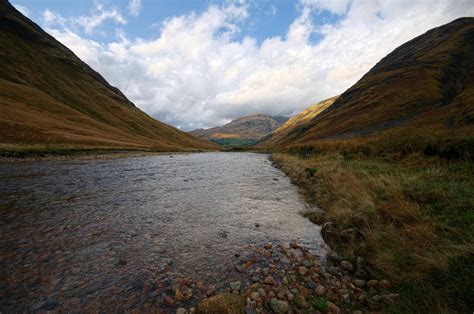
(198, 64)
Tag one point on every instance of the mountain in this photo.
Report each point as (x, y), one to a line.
(242, 131)
(427, 84)
(49, 97)
(298, 123)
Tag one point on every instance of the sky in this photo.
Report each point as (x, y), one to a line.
(198, 64)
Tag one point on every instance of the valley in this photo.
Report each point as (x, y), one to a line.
(362, 202)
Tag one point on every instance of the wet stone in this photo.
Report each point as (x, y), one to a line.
(269, 280)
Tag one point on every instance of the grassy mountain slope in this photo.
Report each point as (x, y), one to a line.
(50, 98)
(245, 130)
(390, 164)
(426, 84)
(297, 124)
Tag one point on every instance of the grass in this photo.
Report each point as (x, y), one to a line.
(320, 304)
(49, 97)
(414, 210)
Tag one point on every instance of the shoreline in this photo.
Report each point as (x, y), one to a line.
(269, 278)
(7, 156)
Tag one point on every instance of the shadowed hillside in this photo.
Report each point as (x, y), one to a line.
(390, 165)
(426, 84)
(50, 98)
(242, 131)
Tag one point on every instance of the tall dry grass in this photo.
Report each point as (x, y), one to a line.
(415, 217)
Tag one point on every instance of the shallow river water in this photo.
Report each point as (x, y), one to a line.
(116, 234)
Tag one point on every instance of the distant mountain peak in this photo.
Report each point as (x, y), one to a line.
(244, 130)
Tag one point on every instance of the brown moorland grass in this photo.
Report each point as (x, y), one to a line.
(413, 209)
(425, 82)
(50, 98)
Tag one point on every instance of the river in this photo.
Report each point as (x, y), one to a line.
(116, 234)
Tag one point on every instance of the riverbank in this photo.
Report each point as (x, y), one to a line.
(409, 216)
(15, 154)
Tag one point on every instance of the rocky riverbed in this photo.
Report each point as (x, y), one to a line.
(284, 279)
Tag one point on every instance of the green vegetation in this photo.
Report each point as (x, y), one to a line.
(413, 208)
(234, 142)
(299, 278)
(320, 304)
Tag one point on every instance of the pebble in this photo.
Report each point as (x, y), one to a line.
(377, 298)
(236, 285)
(347, 266)
(210, 291)
(333, 308)
(372, 283)
(254, 295)
(178, 295)
(359, 283)
(168, 300)
(308, 264)
(320, 290)
(269, 280)
(300, 302)
(303, 270)
(181, 310)
(281, 295)
(385, 284)
(267, 246)
(279, 306)
(312, 285)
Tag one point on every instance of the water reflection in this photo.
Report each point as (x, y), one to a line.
(115, 234)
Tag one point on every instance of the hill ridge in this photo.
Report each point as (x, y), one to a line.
(49, 97)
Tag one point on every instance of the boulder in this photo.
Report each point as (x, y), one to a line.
(329, 232)
(225, 303)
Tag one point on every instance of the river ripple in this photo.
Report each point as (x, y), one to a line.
(91, 234)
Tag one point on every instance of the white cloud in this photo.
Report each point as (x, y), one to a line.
(53, 18)
(87, 23)
(271, 10)
(24, 10)
(195, 74)
(98, 16)
(333, 6)
(134, 7)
